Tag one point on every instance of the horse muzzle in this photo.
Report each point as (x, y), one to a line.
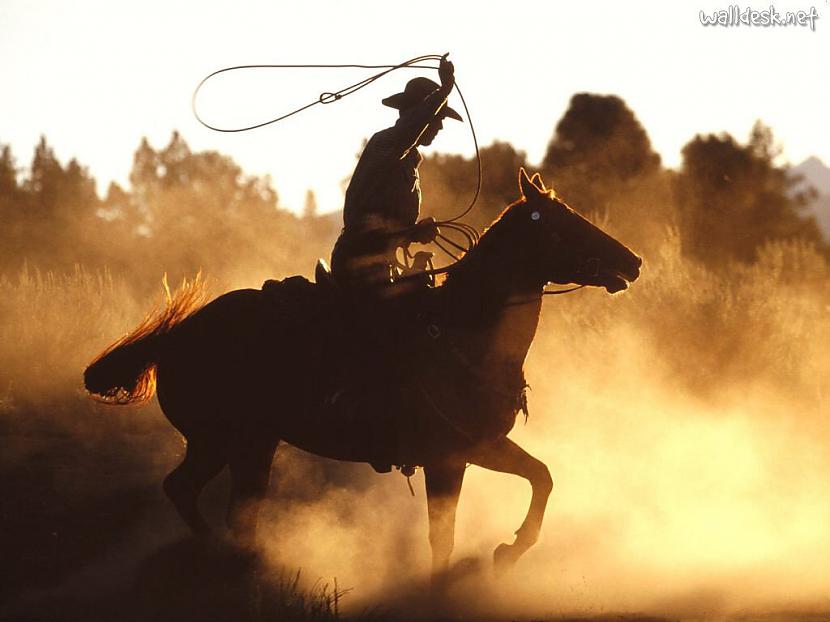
(616, 280)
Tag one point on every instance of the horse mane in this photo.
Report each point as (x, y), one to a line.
(490, 237)
(125, 372)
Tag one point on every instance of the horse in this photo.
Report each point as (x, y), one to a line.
(251, 369)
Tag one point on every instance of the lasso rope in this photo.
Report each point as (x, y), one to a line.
(331, 97)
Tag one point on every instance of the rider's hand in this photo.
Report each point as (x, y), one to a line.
(425, 231)
(420, 262)
(446, 71)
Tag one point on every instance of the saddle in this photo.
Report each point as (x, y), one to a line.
(297, 298)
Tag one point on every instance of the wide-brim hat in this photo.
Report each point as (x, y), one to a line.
(416, 91)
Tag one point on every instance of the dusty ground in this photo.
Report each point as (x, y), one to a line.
(87, 534)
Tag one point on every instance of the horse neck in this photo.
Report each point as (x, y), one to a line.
(495, 306)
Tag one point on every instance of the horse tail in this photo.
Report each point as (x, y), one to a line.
(125, 373)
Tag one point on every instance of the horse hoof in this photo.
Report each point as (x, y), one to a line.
(503, 558)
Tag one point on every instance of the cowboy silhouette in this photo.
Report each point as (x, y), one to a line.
(383, 199)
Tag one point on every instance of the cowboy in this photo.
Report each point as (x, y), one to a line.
(384, 196)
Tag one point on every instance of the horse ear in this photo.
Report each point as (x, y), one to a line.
(536, 180)
(525, 185)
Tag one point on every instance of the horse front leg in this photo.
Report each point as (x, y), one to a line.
(505, 456)
(443, 485)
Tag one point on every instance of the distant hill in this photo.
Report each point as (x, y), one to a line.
(817, 174)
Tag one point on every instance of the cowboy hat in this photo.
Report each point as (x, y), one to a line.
(416, 91)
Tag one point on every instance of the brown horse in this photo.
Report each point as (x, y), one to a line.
(253, 367)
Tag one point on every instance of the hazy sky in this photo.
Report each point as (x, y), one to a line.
(96, 76)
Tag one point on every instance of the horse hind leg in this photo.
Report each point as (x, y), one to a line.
(443, 487)
(204, 458)
(250, 466)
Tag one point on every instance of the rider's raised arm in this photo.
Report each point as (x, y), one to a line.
(383, 192)
(414, 120)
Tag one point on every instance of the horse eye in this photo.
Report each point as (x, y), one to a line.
(535, 216)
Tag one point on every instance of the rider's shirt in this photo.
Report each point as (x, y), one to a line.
(384, 192)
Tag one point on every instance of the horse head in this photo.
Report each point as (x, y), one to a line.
(559, 246)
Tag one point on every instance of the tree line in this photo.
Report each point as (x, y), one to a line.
(726, 200)
(184, 210)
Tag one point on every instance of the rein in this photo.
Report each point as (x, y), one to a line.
(471, 238)
(557, 292)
